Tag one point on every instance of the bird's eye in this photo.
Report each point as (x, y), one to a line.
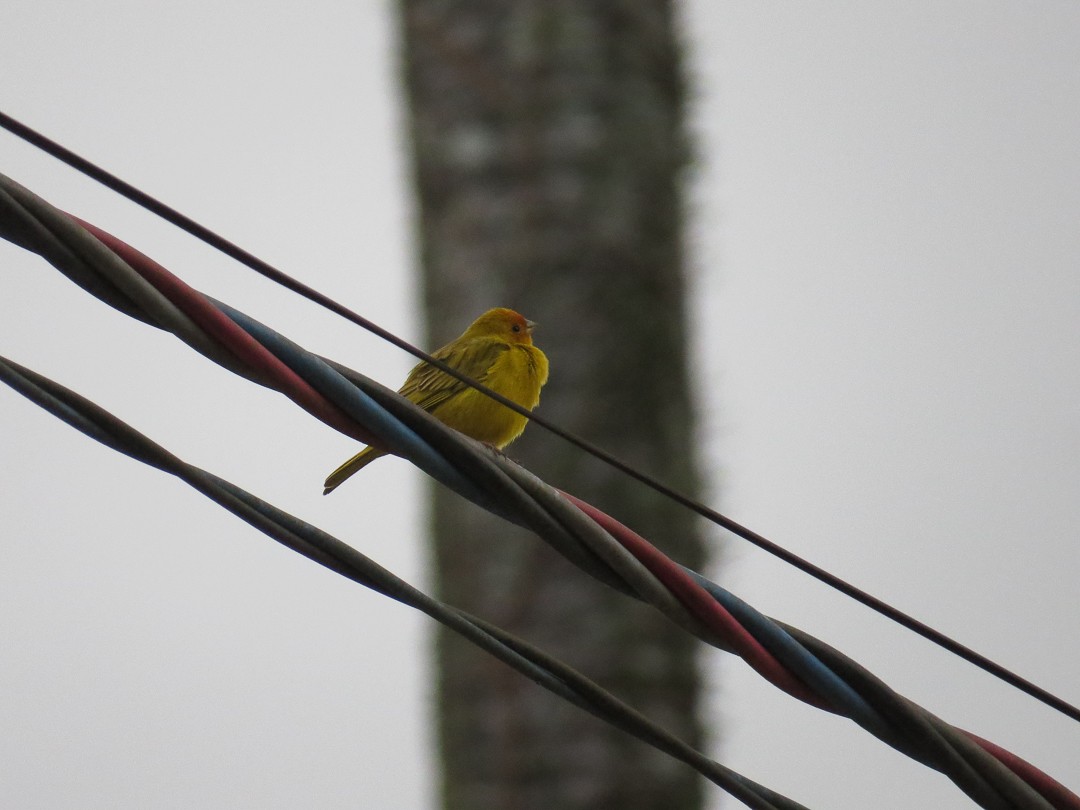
(516, 327)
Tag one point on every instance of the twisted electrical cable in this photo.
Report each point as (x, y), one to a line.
(258, 265)
(341, 558)
(796, 662)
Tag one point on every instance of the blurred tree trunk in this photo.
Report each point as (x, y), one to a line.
(548, 143)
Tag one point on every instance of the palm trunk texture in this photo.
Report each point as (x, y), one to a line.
(548, 148)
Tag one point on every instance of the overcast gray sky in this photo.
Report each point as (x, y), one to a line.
(885, 241)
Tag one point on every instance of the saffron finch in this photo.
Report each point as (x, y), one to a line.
(497, 351)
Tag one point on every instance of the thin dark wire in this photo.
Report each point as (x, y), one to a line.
(173, 216)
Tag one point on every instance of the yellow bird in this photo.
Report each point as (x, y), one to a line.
(497, 351)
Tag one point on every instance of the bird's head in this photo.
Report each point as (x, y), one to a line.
(504, 324)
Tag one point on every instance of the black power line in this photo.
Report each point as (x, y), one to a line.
(211, 238)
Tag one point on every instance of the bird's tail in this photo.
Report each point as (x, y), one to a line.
(353, 465)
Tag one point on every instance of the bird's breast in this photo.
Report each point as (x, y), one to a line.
(518, 375)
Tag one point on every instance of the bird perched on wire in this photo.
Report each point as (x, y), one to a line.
(497, 351)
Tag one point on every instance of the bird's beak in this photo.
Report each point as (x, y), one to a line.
(529, 326)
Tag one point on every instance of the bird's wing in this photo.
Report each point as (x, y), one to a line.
(430, 387)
